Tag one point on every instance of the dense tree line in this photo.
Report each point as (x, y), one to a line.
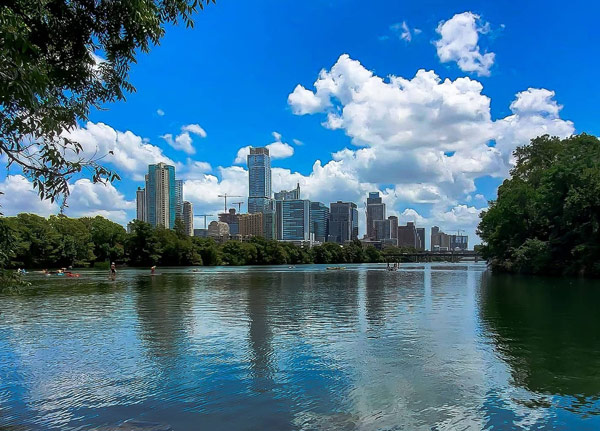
(546, 219)
(31, 241)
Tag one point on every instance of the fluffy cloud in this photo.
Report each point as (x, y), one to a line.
(126, 151)
(430, 138)
(183, 141)
(403, 31)
(459, 37)
(19, 197)
(277, 150)
(85, 199)
(160, 112)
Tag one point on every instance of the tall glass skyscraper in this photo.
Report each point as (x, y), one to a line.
(293, 220)
(319, 221)
(160, 195)
(179, 199)
(343, 222)
(259, 177)
(259, 189)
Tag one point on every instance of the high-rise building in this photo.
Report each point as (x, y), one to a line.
(140, 197)
(293, 220)
(343, 222)
(251, 224)
(285, 195)
(179, 199)
(232, 219)
(259, 179)
(421, 235)
(188, 218)
(319, 221)
(259, 189)
(375, 211)
(408, 236)
(160, 195)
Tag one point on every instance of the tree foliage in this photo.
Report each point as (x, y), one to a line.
(546, 219)
(59, 59)
(31, 241)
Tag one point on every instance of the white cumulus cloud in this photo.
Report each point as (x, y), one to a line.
(277, 150)
(129, 153)
(459, 38)
(183, 141)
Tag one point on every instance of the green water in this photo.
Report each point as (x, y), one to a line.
(430, 347)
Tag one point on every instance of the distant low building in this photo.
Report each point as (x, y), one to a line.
(201, 233)
(218, 230)
(441, 241)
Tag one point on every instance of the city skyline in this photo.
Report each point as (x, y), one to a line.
(321, 136)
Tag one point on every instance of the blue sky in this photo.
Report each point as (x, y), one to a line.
(233, 72)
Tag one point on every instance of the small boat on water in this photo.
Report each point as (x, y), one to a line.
(335, 268)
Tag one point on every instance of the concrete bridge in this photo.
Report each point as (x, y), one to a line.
(431, 256)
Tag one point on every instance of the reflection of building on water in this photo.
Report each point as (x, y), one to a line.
(164, 311)
(541, 330)
(260, 334)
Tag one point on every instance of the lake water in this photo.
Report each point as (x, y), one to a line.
(430, 347)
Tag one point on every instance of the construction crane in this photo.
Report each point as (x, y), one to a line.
(239, 204)
(204, 215)
(230, 196)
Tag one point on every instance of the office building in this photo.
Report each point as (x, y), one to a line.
(232, 219)
(250, 224)
(160, 195)
(259, 189)
(408, 236)
(381, 230)
(284, 195)
(439, 240)
(421, 235)
(259, 180)
(140, 198)
(319, 221)
(179, 199)
(188, 218)
(343, 222)
(375, 212)
(293, 220)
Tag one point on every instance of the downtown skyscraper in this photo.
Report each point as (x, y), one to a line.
(161, 196)
(259, 189)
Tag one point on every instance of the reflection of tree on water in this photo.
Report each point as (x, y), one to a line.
(547, 331)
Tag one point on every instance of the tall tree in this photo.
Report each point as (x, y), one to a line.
(60, 58)
(546, 219)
